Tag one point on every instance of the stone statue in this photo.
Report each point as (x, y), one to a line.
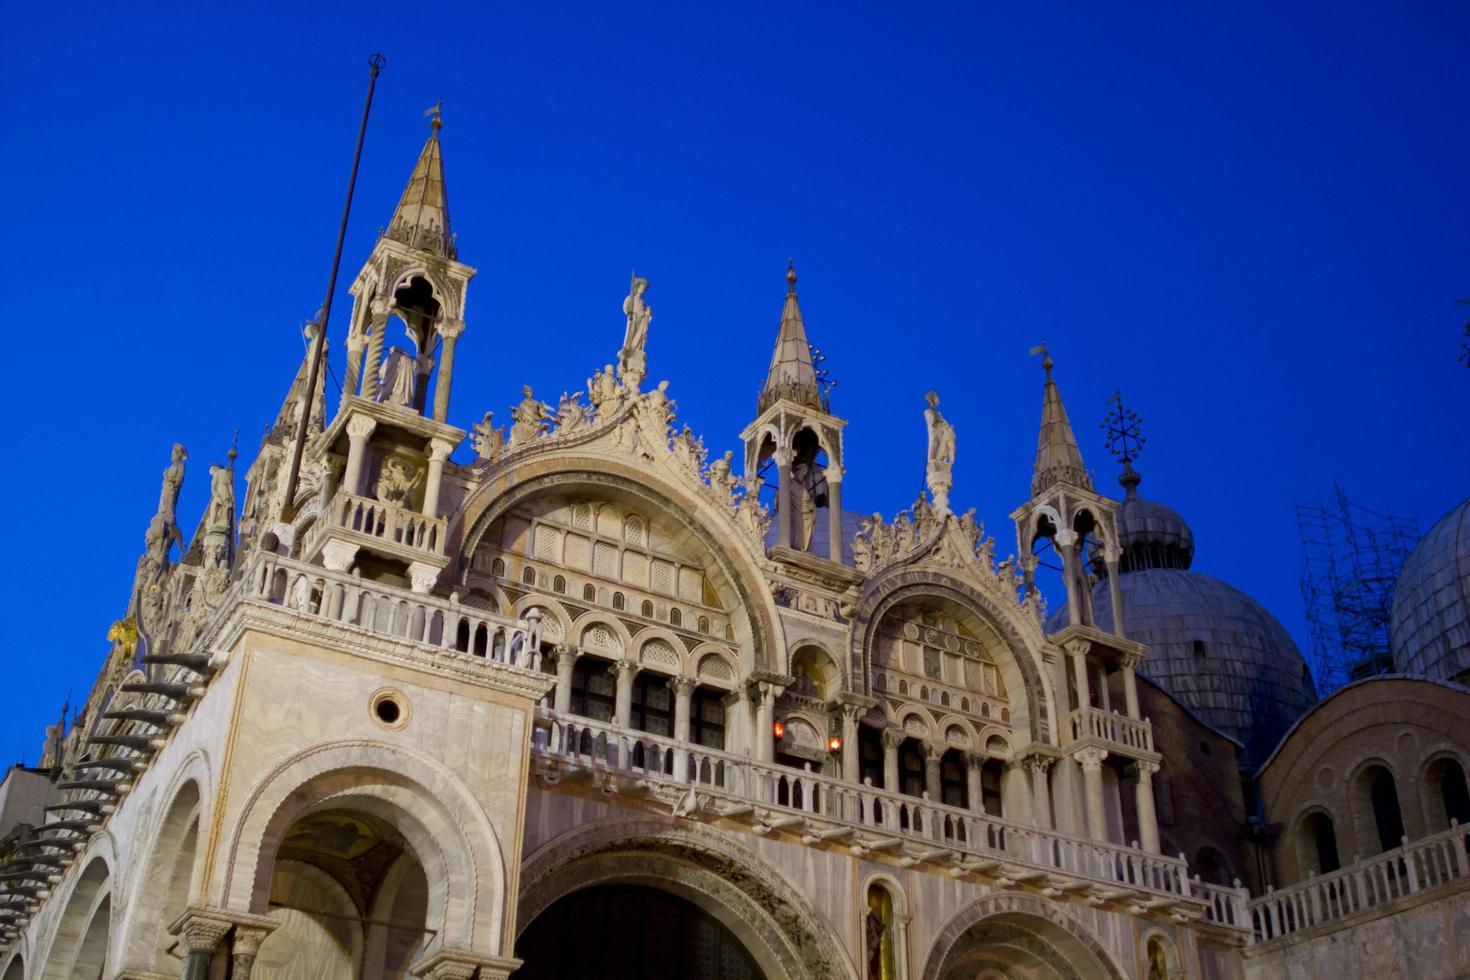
(488, 439)
(396, 480)
(602, 392)
(924, 519)
(689, 451)
(862, 547)
(631, 359)
(396, 378)
(722, 479)
(881, 538)
(531, 419)
(221, 499)
(173, 479)
(805, 512)
(905, 536)
(660, 407)
(940, 462)
(571, 415)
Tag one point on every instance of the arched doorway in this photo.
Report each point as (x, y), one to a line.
(1012, 935)
(79, 949)
(631, 931)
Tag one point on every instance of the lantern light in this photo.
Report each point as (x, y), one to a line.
(834, 743)
(778, 730)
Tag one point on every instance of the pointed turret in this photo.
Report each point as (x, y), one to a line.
(1058, 460)
(422, 217)
(792, 375)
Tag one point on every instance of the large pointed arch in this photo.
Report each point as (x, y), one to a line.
(1020, 665)
(567, 472)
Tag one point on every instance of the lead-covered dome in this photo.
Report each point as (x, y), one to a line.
(1430, 632)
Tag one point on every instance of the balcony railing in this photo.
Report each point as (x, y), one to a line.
(384, 523)
(1427, 863)
(867, 819)
(335, 597)
(1111, 727)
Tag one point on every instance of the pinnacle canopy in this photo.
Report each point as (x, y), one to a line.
(422, 217)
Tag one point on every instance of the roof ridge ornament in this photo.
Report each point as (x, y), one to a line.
(1125, 440)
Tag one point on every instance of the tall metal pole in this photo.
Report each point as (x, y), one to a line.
(318, 346)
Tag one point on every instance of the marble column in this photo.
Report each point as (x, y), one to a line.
(1015, 793)
(199, 935)
(834, 513)
(1130, 688)
(245, 949)
(356, 345)
(1148, 820)
(974, 781)
(1038, 765)
(851, 764)
(683, 688)
(624, 671)
(450, 331)
(359, 428)
(566, 660)
(765, 720)
(377, 328)
(439, 450)
(783, 497)
(932, 785)
(737, 722)
(892, 739)
(1077, 652)
(1066, 542)
(1092, 785)
(1115, 594)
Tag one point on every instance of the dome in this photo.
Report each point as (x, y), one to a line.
(1215, 650)
(1431, 603)
(1153, 535)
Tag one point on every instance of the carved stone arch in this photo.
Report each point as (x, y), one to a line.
(1027, 684)
(595, 619)
(448, 297)
(556, 610)
(445, 827)
(1167, 945)
(13, 967)
(81, 894)
(1081, 954)
(714, 530)
(1033, 521)
(661, 654)
(833, 685)
(907, 711)
(752, 898)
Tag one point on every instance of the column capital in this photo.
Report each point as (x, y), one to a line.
(1065, 538)
(974, 760)
(461, 964)
(783, 455)
(1091, 759)
(1077, 646)
(682, 685)
(360, 426)
(1130, 661)
(201, 928)
(931, 751)
(625, 667)
(1144, 769)
(439, 449)
(248, 939)
(381, 306)
(450, 329)
(565, 653)
(1038, 763)
(852, 713)
(893, 738)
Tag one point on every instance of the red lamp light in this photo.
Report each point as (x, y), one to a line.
(834, 743)
(778, 730)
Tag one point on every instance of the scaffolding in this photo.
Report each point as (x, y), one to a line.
(1352, 558)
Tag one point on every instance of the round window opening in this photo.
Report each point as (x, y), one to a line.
(389, 708)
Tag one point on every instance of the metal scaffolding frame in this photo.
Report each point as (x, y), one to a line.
(1351, 560)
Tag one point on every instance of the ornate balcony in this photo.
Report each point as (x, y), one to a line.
(826, 811)
(1112, 731)
(352, 521)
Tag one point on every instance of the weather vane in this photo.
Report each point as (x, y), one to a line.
(1124, 430)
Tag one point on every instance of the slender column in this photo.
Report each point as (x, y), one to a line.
(1148, 820)
(1092, 760)
(1115, 594)
(683, 688)
(932, 786)
(377, 327)
(851, 766)
(624, 671)
(566, 660)
(974, 783)
(450, 331)
(1015, 793)
(1066, 544)
(1103, 693)
(246, 949)
(765, 720)
(834, 513)
(783, 497)
(1077, 650)
(1040, 791)
(356, 345)
(1130, 688)
(359, 428)
(892, 739)
(439, 450)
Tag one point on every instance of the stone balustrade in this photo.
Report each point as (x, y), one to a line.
(1388, 877)
(337, 597)
(1115, 729)
(914, 829)
(409, 531)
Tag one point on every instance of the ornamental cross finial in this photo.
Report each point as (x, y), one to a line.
(1124, 430)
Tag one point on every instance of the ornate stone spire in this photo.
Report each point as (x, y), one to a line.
(792, 374)
(1058, 460)
(422, 217)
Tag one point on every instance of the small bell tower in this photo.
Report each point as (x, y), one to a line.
(390, 440)
(796, 433)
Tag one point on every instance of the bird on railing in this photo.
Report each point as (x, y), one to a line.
(687, 805)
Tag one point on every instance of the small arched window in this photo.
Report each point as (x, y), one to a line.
(619, 601)
(704, 624)
(903, 687)
(676, 618)
(589, 592)
(1005, 714)
(647, 609)
(1387, 817)
(729, 631)
(964, 704)
(559, 584)
(944, 699)
(1446, 784)
(1319, 843)
(529, 576)
(497, 567)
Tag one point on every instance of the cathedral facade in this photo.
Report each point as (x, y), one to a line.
(594, 704)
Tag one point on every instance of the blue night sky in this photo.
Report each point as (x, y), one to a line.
(1251, 218)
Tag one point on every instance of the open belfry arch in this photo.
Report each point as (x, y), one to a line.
(440, 697)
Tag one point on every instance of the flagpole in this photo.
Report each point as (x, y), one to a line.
(318, 340)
